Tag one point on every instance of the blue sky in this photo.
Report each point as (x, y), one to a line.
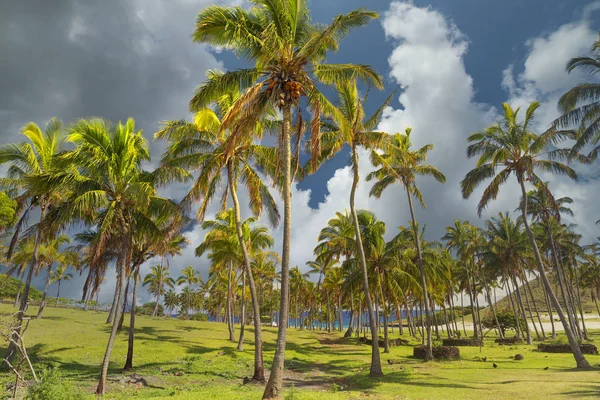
(457, 61)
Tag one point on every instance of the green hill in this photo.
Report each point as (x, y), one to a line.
(538, 294)
(9, 288)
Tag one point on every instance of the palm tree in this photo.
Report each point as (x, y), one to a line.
(30, 161)
(581, 105)
(400, 163)
(108, 189)
(202, 146)
(171, 300)
(188, 277)
(288, 51)
(514, 147)
(356, 130)
(158, 280)
(59, 275)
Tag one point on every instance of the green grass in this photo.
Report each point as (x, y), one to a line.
(319, 365)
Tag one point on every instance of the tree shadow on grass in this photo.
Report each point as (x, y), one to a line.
(364, 382)
(587, 391)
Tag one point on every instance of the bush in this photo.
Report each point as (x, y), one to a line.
(506, 320)
(439, 352)
(10, 287)
(53, 386)
(513, 340)
(463, 342)
(565, 348)
(148, 308)
(199, 317)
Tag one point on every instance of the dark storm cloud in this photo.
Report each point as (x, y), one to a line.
(113, 59)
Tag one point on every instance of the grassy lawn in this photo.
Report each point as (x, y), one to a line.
(193, 360)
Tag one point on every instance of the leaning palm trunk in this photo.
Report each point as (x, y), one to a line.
(275, 383)
(537, 333)
(111, 313)
(522, 309)
(375, 357)
(113, 332)
(518, 330)
(578, 299)
(560, 277)
(579, 357)
(18, 296)
(45, 294)
(11, 350)
(549, 307)
(429, 342)
(259, 369)
(535, 307)
(129, 361)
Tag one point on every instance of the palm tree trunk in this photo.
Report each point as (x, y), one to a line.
(375, 369)
(429, 343)
(578, 298)
(550, 315)
(259, 368)
(518, 330)
(18, 296)
(240, 345)
(113, 332)
(351, 323)
(472, 301)
(122, 318)
(462, 306)
(435, 321)
(155, 311)
(11, 350)
(129, 361)
(111, 313)
(275, 383)
(228, 305)
(45, 294)
(57, 293)
(561, 279)
(537, 312)
(328, 314)
(448, 329)
(537, 333)
(521, 308)
(579, 357)
(340, 315)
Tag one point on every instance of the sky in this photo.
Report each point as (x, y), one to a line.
(454, 61)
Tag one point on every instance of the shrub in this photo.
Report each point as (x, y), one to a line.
(506, 320)
(565, 348)
(148, 308)
(53, 386)
(199, 317)
(439, 352)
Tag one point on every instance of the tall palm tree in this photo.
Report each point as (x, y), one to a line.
(109, 189)
(581, 105)
(399, 163)
(357, 130)
(30, 161)
(514, 147)
(59, 275)
(158, 280)
(189, 278)
(287, 51)
(206, 146)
